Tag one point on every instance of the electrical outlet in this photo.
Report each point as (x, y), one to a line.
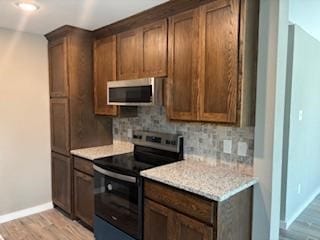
(299, 189)
(130, 133)
(300, 115)
(242, 149)
(227, 146)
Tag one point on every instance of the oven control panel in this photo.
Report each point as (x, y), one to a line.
(169, 142)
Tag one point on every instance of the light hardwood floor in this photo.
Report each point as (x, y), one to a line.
(307, 226)
(49, 225)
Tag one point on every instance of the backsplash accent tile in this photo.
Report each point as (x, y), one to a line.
(203, 141)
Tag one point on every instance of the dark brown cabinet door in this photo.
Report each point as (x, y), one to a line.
(189, 229)
(58, 68)
(158, 221)
(104, 71)
(60, 125)
(161, 223)
(154, 56)
(83, 197)
(219, 30)
(183, 66)
(129, 51)
(61, 181)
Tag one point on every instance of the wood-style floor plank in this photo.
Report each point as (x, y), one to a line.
(306, 226)
(49, 225)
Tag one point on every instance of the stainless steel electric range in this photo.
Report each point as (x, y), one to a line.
(119, 186)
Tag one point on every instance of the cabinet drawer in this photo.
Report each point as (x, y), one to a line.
(181, 201)
(83, 165)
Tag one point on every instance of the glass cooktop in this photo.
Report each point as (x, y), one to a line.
(124, 163)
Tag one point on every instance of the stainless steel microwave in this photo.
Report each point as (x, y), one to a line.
(138, 92)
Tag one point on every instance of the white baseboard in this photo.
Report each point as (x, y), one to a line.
(25, 212)
(286, 224)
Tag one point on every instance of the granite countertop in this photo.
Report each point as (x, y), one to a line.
(93, 153)
(213, 181)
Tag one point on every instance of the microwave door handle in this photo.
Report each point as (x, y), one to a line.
(115, 175)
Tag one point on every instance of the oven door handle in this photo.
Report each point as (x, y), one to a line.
(118, 176)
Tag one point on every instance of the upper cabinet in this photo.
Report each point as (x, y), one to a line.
(129, 47)
(58, 68)
(154, 49)
(219, 30)
(208, 51)
(142, 52)
(104, 71)
(211, 71)
(183, 71)
(73, 122)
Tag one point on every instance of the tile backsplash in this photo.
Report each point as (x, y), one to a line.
(203, 141)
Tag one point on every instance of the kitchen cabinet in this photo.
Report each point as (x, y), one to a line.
(104, 71)
(73, 122)
(83, 197)
(171, 213)
(189, 229)
(59, 108)
(154, 49)
(129, 47)
(212, 67)
(158, 221)
(83, 190)
(59, 86)
(162, 223)
(142, 52)
(61, 181)
(75, 113)
(183, 69)
(219, 61)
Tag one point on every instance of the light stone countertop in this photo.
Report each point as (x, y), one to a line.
(214, 181)
(93, 153)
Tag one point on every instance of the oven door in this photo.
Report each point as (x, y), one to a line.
(117, 200)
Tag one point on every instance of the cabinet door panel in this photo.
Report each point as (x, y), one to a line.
(60, 125)
(189, 229)
(154, 55)
(58, 68)
(83, 197)
(183, 66)
(157, 221)
(219, 61)
(61, 181)
(129, 51)
(104, 71)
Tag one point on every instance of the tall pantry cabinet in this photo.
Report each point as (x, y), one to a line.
(73, 122)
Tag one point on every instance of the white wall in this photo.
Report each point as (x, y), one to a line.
(302, 156)
(272, 61)
(305, 13)
(25, 178)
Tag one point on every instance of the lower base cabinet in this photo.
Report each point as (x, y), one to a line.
(61, 181)
(189, 229)
(162, 223)
(173, 214)
(83, 197)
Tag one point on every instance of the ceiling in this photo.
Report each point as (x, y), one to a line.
(87, 14)
(305, 13)
(92, 14)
